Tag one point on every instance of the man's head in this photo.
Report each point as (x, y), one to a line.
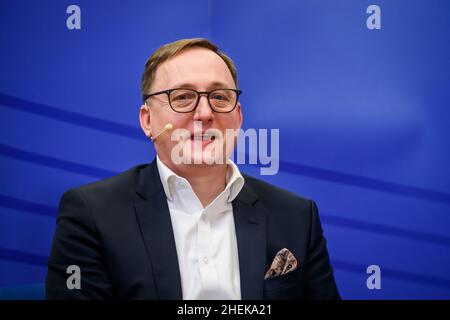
(194, 64)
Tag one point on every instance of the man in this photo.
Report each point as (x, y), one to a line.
(189, 225)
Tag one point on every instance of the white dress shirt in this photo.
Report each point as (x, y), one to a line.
(205, 238)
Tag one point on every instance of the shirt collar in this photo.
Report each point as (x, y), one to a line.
(235, 180)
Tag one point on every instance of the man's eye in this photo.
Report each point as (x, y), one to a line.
(183, 97)
(220, 97)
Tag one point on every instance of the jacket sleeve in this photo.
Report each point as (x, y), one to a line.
(76, 243)
(321, 284)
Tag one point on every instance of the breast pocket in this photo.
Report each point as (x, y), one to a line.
(285, 287)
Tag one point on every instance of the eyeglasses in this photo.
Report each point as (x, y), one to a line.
(186, 100)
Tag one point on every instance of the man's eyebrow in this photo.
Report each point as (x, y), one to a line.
(216, 84)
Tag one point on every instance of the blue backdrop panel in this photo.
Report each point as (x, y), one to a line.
(363, 115)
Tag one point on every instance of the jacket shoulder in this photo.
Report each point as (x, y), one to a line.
(268, 190)
(272, 195)
(116, 188)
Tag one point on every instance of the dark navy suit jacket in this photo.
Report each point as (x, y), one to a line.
(119, 232)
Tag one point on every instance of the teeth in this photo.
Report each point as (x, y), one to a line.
(203, 137)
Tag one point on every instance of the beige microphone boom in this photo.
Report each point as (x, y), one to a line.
(167, 127)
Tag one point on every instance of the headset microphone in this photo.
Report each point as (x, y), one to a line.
(167, 127)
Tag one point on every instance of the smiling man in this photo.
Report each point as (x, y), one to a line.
(189, 225)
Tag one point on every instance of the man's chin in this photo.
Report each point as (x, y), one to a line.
(204, 159)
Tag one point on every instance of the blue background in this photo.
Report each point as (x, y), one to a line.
(363, 115)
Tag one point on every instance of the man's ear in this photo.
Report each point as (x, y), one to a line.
(145, 120)
(240, 114)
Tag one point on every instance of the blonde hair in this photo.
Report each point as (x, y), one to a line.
(169, 50)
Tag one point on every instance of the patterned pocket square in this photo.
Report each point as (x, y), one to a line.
(284, 262)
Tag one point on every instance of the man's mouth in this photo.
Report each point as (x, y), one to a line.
(203, 137)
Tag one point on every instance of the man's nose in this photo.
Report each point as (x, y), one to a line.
(203, 111)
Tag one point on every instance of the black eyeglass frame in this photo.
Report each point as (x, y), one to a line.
(199, 95)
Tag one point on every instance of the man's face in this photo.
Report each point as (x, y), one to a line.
(202, 70)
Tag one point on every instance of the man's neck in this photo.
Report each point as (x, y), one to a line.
(207, 181)
(208, 185)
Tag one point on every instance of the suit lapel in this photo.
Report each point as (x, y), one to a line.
(156, 227)
(251, 233)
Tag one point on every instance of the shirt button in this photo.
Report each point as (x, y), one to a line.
(205, 260)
